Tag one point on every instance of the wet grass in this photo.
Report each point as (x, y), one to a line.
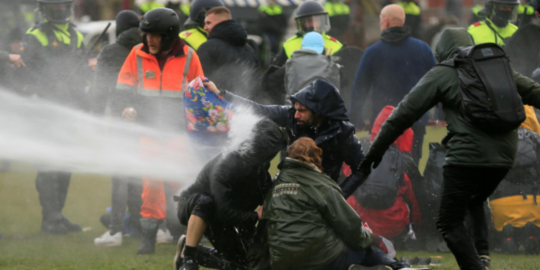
(23, 247)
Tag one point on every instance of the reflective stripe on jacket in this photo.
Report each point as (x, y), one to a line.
(61, 34)
(294, 43)
(487, 32)
(141, 71)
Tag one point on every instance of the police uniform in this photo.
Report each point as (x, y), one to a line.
(331, 45)
(413, 17)
(487, 32)
(194, 37)
(338, 12)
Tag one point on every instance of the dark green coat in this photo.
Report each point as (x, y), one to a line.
(467, 145)
(309, 222)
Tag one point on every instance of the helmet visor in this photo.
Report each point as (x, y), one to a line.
(59, 13)
(505, 12)
(314, 23)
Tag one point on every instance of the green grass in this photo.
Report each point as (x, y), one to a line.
(23, 247)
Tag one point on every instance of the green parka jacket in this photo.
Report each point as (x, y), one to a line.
(466, 144)
(308, 220)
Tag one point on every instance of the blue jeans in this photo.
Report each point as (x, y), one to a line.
(369, 256)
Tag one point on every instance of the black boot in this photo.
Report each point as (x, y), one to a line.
(203, 256)
(52, 225)
(72, 227)
(52, 188)
(150, 227)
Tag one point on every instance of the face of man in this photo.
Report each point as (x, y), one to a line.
(154, 42)
(210, 21)
(303, 116)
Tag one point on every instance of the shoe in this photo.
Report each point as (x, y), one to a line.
(164, 237)
(53, 227)
(485, 260)
(178, 261)
(108, 240)
(204, 256)
(189, 264)
(71, 227)
(150, 227)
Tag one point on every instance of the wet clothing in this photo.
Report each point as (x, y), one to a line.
(110, 61)
(194, 37)
(331, 46)
(309, 223)
(227, 59)
(487, 32)
(335, 136)
(393, 221)
(476, 161)
(392, 57)
(230, 187)
(413, 17)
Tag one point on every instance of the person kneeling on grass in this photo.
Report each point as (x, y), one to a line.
(221, 203)
(309, 223)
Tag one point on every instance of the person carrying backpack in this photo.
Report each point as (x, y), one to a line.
(482, 113)
(387, 200)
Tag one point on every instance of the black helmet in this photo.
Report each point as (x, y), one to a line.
(501, 16)
(162, 21)
(311, 16)
(56, 11)
(200, 7)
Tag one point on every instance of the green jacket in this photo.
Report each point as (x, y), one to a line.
(467, 145)
(309, 222)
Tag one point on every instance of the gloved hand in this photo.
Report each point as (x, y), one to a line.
(371, 160)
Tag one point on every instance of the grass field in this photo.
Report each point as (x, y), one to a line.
(23, 247)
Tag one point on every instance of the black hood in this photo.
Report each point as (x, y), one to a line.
(231, 32)
(266, 140)
(395, 35)
(125, 20)
(323, 99)
(130, 38)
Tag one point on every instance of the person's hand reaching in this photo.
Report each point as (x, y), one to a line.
(211, 86)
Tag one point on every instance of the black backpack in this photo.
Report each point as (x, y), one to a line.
(380, 189)
(490, 100)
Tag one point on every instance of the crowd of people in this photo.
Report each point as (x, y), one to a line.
(339, 201)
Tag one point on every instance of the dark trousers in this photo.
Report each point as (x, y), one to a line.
(465, 189)
(126, 192)
(418, 141)
(371, 256)
(52, 188)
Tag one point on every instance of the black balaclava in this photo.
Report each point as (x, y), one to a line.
(125, 20)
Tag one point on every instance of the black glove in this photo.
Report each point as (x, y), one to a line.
(369, 161)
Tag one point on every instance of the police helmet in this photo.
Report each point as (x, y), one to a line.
(199, 8)
(162, 21)
(501, 12)
(311, 17)
(56, 11)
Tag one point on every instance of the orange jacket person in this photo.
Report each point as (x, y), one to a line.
(150, 88)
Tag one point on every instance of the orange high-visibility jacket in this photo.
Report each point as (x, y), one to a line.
(141, 71)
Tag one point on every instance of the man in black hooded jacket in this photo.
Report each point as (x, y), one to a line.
(222, 201)
(318, 112)
(227, 59)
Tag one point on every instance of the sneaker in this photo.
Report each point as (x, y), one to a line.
(164, 237)
(485, 260)
(178, 258)
(108, 240)
(189, 264)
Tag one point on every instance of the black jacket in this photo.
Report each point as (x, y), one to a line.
(335, 136)
(239, 180)
(110, 61)
(228, 60)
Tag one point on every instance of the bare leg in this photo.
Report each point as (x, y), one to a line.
(195, 230)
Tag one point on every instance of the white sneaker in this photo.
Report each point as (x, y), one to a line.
(164, 237)
(108, 240)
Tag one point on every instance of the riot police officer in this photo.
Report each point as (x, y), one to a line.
(52, 51)
(496, 26)
(194, 35)
(310, 17)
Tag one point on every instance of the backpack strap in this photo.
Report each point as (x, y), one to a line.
(447, 63)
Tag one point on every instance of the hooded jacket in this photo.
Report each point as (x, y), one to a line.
(227, 59)
(467, 145)
(397, 56)
(308, 221)
(335, 135)
(110, 61)
(238, 181)
(393, 221)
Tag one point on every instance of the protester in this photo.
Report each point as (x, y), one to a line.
(334, 238)
(392, 57)
(226, 57)
(318, 112)
(51, 51)
(157, 103)
(195, 35)
(221, 203)
(476, 160)
(387, 201)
